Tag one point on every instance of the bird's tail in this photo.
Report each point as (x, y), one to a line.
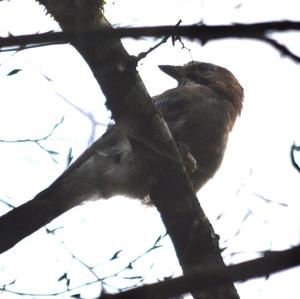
(30, 216)
(107, 168)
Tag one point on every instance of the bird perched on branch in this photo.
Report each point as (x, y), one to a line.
(200, 113)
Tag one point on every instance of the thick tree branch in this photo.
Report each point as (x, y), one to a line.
(202, 33)
(201, 279)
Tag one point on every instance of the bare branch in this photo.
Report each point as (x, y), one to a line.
(294, 148)
(35, 140)
(164, 40)
(281, 48)
(201, 32)
(272, 262)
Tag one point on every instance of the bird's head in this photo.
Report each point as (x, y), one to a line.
(210, 75)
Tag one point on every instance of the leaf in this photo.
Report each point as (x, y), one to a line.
(115, 255)
(220, 216)
(52, 152)
(47, 78)
(13, 72)
(133, 277)
(153, 248)
(223, 249)
(64, 276)
(70, 156)
(158, 239)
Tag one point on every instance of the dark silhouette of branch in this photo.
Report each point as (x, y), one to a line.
(203, 33)
(294, 148)
(283, 50)
(164, 40)
(271, 262)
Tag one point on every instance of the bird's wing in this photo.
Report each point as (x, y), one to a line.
(193, 109)
(198, 118)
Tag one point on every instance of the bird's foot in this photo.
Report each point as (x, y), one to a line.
(189, 161)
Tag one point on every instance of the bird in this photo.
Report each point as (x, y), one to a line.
(200, 113)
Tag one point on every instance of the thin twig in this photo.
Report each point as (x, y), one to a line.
(35, 140)
(7, 203)
(270, 263)
(294, 148)
(281, 48)
(164, 40)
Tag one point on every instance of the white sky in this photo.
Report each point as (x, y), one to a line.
(257, 160)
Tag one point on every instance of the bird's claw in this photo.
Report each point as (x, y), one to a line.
(189, 161)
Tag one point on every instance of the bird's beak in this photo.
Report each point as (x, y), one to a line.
(171, 70)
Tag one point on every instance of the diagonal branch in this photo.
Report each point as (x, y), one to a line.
(283, 50)
(294, 148)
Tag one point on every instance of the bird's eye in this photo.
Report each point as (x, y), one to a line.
(206, 67)
(204, 70)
